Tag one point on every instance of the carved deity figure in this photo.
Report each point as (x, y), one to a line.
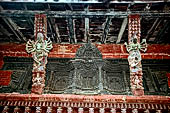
(39, 49)
(137, 82)
(134, 48)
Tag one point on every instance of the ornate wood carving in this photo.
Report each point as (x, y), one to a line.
(115, 73)
(134, 57)
(40, 49)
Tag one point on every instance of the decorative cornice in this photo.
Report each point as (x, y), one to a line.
(98, 101)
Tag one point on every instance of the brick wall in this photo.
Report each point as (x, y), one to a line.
(5, 78)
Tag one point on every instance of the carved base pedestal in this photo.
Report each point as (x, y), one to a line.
(138, 92)
(38, 82)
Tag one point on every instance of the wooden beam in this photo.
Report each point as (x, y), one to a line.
(161, 33)
(86, 34)
(106, 30)
(152, 28)
(14, 29)
(92, 1)
(72, 37)
(122, 29)
(51, 29)
(82, 14)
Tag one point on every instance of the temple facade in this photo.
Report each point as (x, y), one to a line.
(85, 56)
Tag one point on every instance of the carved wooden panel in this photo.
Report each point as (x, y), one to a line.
(21, 74)
(115, 75)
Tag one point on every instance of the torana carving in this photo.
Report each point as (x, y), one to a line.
(87, 77)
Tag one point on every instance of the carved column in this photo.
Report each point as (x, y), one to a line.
(74, 85)
(91, 110)
(80, 110)
(16, 109)
(101, 110)
(27, 110)
(5, 110)
(59, 110)
(39, 50)
(100, 86)
(134, 57)
(113, 110)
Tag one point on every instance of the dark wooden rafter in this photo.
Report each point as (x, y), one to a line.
(14, 28)
(57, 33)
(54, 28)
(51, 30)
(86, 34)
(151, 30)
(30, 22)
(82, 14)
(72, 37)
(122, 29)
(106, 29)
(161, 33)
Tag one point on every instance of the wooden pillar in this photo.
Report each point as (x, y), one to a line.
(39, 50)
(134, 57)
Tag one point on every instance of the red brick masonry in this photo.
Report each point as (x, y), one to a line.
(5, 77)
(155, 51)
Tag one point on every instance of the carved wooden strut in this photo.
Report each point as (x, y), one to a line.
(134, 57)
(39, 49)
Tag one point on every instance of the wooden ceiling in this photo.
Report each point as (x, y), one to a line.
(104, 21)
